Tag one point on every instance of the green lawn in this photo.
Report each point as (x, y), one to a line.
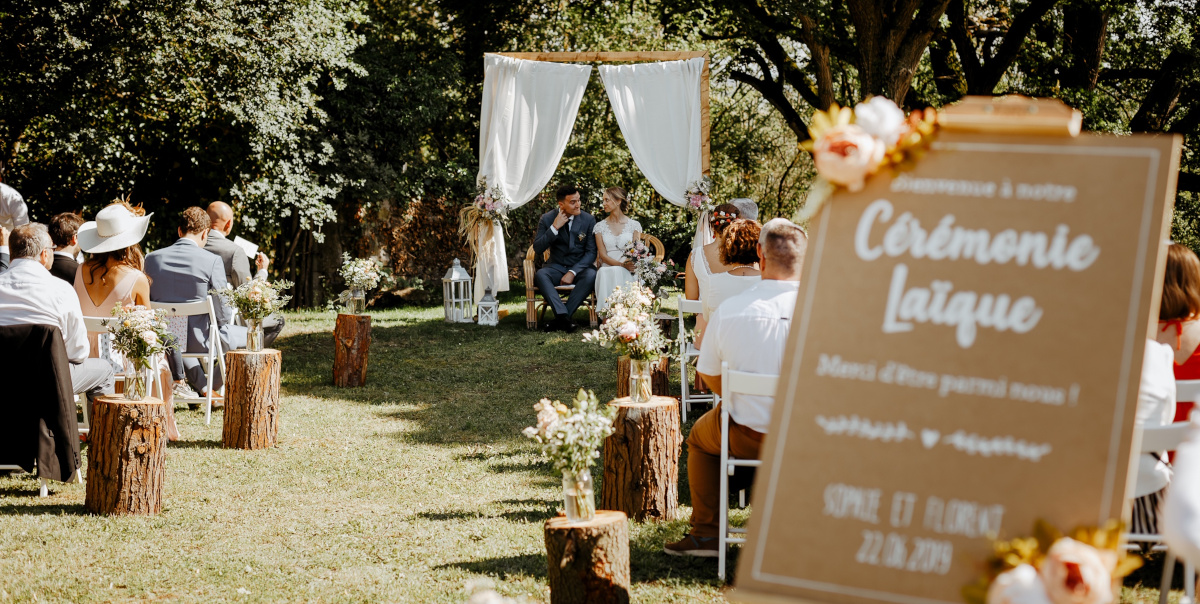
(412, 489)
(415, 488)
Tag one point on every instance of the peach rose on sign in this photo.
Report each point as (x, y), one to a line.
(1076, 573)
(846, 155)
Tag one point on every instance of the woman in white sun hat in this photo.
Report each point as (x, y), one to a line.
(113, 275)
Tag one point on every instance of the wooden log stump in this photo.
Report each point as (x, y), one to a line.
(251, 399)
(588, 561)
(659, 377)
(127, 454)
(351, 340)
(641, 459)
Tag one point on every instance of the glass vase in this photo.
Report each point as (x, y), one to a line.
(254, 335)
(357, 303)
(578, 496)
(640, 389)
(137, 379)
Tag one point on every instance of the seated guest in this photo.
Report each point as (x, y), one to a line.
(568, 233)
(30, 295)
(1155, 408)
(184, 272)
(747, 209)
(4, 257)
(112, 275)
(749, 332)
(13, 211)
(1181, 511)
(701, 266)
(63, 230)
(237, 266)
(1178, 314)
(738, 252)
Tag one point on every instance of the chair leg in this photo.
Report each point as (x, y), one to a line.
(1189, 581)
(44, 491)
(723, 503)
(1168, 575)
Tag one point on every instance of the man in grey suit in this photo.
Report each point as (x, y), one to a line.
(237, 264)
(567, 233)
(185, 272)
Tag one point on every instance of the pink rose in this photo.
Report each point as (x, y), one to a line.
(628, 332)
(1021, 585)
(150, 338)
(846, 155)
(1075, 573)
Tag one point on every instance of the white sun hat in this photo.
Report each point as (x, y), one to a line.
(114, 228)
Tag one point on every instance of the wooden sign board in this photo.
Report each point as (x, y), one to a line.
(964, 360)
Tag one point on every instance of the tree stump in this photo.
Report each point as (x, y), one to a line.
(351, 340)
(641, 459)
(588, 561)
(659, 377)
(127, 453)
(251, 399)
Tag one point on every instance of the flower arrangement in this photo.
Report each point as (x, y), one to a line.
(360, 273)
(256, 299)
(138, 333)
(637, 250)
(849, 145)
(486, 210)
(655, 275)
(1050, 568)
(570, 438)
(698, 196)
(630, 327)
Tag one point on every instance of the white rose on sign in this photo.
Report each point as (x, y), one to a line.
(880, 118)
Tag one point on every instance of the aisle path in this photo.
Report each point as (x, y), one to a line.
(405, 490)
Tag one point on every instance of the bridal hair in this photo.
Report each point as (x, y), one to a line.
(722, 216)
(621, 196)
(1181, 285)
(739, 246)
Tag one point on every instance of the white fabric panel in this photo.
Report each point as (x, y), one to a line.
(657, 106)
(529, 110)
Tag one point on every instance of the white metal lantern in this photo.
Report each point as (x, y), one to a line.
(456, 292)
(489, 308)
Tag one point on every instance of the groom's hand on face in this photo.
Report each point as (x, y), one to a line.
(561, 219)
(568, 278)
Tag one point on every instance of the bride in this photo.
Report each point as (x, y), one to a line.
(613, 235)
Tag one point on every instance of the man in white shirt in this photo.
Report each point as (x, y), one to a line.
(749, 332)
(13, 212)
(30, 295)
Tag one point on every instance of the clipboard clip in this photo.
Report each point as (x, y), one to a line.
(1013, 114)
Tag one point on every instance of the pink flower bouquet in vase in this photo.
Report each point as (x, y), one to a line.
(570, 438)
(631, 330)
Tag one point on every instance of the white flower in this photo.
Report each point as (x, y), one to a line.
(150, 337)
(881, 118)
(1021, 585)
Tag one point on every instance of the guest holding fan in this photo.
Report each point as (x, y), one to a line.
(614, 235)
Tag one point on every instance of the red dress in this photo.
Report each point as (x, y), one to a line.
(1189, 370)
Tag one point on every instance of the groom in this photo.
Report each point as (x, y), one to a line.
(567, 233)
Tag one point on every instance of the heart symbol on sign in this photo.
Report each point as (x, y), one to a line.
(929, 438)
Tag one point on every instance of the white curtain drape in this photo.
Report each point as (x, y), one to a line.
(657, 106)
(529, 110)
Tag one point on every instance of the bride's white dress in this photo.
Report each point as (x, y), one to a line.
(608, 277)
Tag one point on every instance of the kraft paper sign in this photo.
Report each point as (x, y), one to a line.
(964, 359)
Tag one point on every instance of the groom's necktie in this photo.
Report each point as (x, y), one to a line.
(570, 239)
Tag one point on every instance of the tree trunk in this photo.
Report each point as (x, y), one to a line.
(351, 340)
(588, 561)
(127, 452)
(641, 460)
(251, 399)
(659, 377)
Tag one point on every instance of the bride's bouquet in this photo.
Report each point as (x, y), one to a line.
(630, 327)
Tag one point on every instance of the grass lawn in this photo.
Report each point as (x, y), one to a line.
(415, 488)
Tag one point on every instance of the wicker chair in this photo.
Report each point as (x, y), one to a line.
(535, 305)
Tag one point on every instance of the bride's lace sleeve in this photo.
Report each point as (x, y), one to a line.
(637, 226)
(601, 227)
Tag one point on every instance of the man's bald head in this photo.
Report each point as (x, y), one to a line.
(222, 216)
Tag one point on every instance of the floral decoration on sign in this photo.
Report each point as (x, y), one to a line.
(849, 145)
(698, 196)
(1051, 568)
(486, 210)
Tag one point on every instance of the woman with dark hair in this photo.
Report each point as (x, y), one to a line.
(701, 267)
(113, 275)
(614, 235)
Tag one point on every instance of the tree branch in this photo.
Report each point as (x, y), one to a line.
(1163, 97)
(1188, 183)
(773, 92)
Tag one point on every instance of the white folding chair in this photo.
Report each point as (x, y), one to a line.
(1157, 439)
(207, 359)
(687, 352)
(739, 382)
(1187, 391)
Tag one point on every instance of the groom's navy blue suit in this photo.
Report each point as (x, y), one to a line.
(573, 248)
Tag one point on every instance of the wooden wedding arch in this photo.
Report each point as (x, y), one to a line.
(638, 57)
